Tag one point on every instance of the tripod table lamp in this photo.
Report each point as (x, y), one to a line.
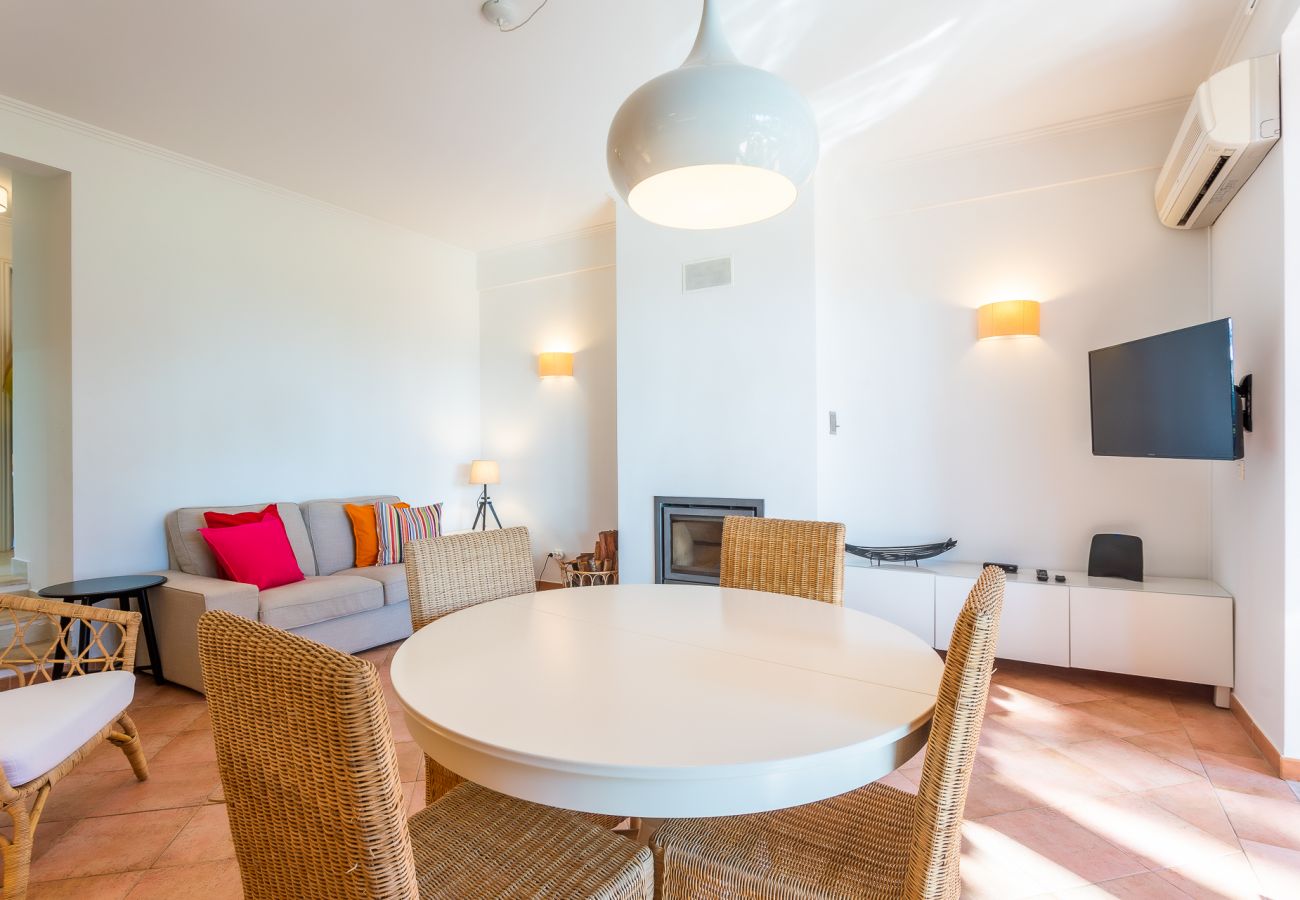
(485, 472)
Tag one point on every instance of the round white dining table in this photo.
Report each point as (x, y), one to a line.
(666, 700)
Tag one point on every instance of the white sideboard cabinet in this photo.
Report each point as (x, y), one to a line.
(1035, 619)
(1174, 628)
(903, 595)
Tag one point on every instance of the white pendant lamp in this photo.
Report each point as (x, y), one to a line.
(714, 143)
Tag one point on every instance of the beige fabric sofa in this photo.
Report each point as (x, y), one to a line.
(339, 605)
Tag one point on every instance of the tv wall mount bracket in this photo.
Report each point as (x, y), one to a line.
(1244, 397)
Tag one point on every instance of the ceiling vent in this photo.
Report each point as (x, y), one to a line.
(705, 274)
(1234, 120)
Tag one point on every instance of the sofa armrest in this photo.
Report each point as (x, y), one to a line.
(217, 593)
(176, 607)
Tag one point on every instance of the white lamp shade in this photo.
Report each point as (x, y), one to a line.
(4, 199)
(714, 143)
(484, 471)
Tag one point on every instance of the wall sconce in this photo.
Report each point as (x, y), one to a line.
(4, 199)
(552, 364)
(1008, 318)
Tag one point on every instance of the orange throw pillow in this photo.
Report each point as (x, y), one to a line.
(365, 532)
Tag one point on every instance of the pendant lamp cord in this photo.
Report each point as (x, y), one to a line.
(527, 20)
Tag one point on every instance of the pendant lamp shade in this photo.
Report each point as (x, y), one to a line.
(712, 144)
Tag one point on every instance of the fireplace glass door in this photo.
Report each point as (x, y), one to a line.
(695, 547)
(688, 537)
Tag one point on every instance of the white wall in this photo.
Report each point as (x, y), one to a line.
(42, 403)
(1290, 150)
(716, 389)
(989, 442)
(232, 342)
(1290, 744)
(1254, 518)
(1264, 32)
(1249, 547)
(555, 438)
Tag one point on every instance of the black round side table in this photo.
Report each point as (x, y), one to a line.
(122, 587)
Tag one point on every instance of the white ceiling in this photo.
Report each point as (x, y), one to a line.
(418, 112)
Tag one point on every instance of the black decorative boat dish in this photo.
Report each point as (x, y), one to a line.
(913, 554)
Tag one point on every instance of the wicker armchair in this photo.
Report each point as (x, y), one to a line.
(42, 638)
(870, 844)
(446, 574)
(307, 760)
(784, 556)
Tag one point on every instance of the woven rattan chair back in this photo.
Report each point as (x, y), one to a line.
(43, 635)
(954, 733)
(307, 760)
(784, 556)
(457, 571)
(445, 574)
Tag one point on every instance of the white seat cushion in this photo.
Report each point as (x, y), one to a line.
(46, 723)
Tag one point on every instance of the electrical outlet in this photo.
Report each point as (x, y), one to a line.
(557, 553)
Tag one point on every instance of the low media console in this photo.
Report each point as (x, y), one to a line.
(1174, 628)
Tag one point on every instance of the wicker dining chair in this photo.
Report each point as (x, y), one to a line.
(784, 556)
(38, 745)
(307, 760)
(874, 843)
(457, 571)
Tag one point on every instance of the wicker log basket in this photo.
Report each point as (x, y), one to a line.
(575, 576)
(595, 568)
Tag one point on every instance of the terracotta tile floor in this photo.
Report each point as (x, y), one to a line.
(1086, 786)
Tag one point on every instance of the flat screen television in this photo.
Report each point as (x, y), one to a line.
(1170, 396)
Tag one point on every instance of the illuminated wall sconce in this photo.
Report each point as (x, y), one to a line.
(1008, 318)
(552, 364)
(4, 199)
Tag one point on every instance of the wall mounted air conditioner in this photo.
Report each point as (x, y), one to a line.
(1234, 120)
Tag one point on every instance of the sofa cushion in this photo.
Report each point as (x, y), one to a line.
(399, 523)
(192, 554)
(318, 598)
(393, 578)
(46, 723)
(331, 531)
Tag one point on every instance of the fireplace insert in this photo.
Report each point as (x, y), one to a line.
(688, 536)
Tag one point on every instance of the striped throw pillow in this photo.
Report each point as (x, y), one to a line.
(396, 526)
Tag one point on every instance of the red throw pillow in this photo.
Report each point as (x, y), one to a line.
(228, 520)
(255, 553)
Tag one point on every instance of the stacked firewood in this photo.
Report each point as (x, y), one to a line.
(598, 567)
(606, 555)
